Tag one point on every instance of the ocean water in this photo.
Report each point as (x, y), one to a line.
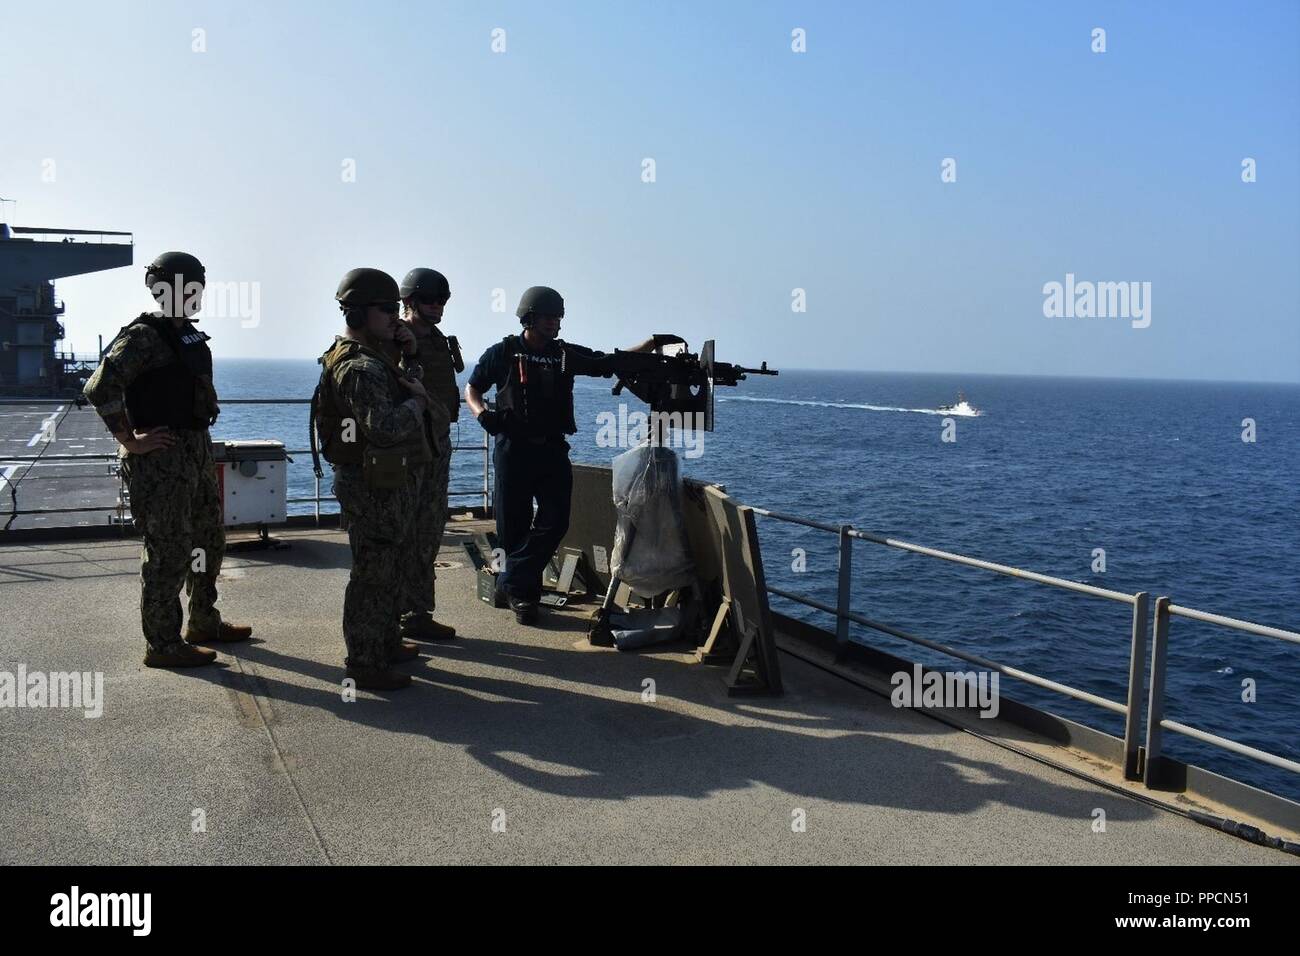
(1154, 473)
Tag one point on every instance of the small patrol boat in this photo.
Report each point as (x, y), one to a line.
(960, 407)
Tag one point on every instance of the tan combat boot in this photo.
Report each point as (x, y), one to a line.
(179, 655)
(226, 634)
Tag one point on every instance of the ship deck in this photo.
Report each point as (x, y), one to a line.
(529, 725)
(56, 481)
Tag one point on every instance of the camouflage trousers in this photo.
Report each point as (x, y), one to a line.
(419, 582)
(176, 508)
(381, 534)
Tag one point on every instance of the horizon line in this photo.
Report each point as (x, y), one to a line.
(867, 371)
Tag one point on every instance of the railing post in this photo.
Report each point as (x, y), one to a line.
(844, 589)
(1156, 703)
(1137, 672)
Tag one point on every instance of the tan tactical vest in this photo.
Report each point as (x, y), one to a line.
(332, 412)
(439, 374)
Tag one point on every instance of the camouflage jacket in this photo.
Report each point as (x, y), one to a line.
(363, 385)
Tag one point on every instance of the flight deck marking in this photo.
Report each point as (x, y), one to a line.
(45, 427)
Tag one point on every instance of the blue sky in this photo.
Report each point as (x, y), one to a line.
(775, 170)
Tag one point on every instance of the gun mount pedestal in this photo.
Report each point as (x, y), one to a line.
(724, 609)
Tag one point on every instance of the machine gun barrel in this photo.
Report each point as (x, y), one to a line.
(724, 373)
(677, 381)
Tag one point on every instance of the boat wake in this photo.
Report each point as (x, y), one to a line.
(963, 410)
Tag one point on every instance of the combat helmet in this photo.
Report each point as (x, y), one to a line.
(169, 265)
(429, 282)
(362, 287)
(539, 301)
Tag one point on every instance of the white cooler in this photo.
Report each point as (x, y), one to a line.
(252, 479)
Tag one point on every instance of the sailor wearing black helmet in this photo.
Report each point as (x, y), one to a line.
(373, 426)
(435, 359)
(154, 391)
(533, 374)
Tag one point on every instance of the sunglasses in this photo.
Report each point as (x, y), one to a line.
(392, 308)
(429, 300)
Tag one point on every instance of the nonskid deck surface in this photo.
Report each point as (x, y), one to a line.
(529, 729)
(53, 484)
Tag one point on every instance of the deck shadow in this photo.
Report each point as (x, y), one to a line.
(612, 750)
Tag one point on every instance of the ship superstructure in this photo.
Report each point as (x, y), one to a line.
(31, 314)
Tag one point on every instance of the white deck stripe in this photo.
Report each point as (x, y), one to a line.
(45, 425)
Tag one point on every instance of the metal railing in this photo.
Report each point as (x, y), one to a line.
(49, 234)
(1157, 723)
(8, 482)
(1141, 759)
(39, 310)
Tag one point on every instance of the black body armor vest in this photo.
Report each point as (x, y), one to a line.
(538, 389)
(179, 394)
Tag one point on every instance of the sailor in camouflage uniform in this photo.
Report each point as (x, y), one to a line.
(374, 429)
(153, 389)
(435, 357)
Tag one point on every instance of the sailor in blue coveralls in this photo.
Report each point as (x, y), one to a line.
(533, 374)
